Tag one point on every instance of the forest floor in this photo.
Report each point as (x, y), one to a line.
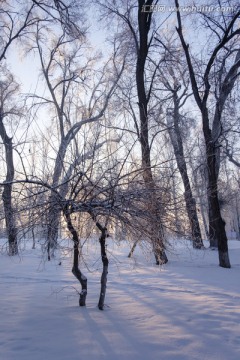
(188, 309)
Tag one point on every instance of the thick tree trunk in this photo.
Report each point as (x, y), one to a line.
(217, 224)
(54, 211)
(7, 192)
(75, 270)
(144, 23)
(54, 215)
(155, 223)
(213, 241)
(217, 231)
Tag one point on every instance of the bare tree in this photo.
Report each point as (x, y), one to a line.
(69, 76)
(122, 198)
(107, 193)
(172, 76)
(17, 21)
(8, 112)
(138, 25)
(144, 24)
(226, 30)
(229, 145)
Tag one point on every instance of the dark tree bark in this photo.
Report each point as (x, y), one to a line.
(217, 233)
(132, 249)
(225, 88)
(7, 191)
(216, 223)
(102, 241)
(140, 36)
(75, 270)
(144, 23)
(176, 140)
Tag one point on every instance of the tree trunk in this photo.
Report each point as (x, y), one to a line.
(144, 23)
(7, 192)
(102, 241)
(54, 212)
(132, 249)
(190, 202)
(217, 231)
(202, 203)
(177, 221)
(33, 239)
(54, 215)
(75, 270)
(216, 223)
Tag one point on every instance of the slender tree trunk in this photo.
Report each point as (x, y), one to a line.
(133, 248)
(75, 270)
(202, 203)
(175, 202)
(7, 192)
(33, 239)
(190, 202)
(216, 223)
(205, 222)
(102, 241)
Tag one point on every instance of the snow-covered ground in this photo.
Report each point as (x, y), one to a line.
(188, 309)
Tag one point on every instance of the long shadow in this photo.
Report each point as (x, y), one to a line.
(190, 318)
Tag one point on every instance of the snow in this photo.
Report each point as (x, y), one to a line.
(187, 309)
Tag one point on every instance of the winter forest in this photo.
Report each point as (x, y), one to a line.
(119, 129)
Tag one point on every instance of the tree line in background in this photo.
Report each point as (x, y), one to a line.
(136, 135)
